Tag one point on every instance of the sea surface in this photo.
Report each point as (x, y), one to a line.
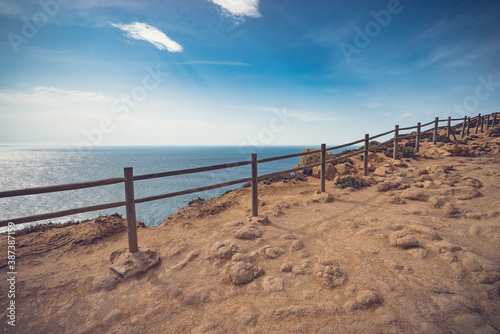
(27, 167)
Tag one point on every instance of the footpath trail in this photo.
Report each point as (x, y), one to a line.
(416, 251)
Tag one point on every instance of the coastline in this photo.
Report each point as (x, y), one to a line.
(415, 251)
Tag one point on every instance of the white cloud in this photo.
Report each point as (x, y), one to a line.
(239, 8)
(301, 116)
(145, 32)
(371, 105)
(47, 95)
(206, 62)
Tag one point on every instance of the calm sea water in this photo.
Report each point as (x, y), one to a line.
(26, 167)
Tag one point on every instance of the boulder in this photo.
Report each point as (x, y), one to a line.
(330, 172)
(127, 265)
(310, 159)
(243, 272)
(248, 233)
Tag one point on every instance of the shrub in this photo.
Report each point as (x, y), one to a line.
(405, 152)
(197, 200)
(349, 181)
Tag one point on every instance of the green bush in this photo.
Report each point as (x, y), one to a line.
(405, 152)
(349, 181)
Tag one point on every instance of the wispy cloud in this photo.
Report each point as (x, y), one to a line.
(299, 115)
(239, 8)
(145, 32)
(371, 105)
(42, 93)
(206, 62)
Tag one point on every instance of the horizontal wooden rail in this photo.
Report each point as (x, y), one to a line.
(382, 134)
(408, 128)
(191, 171)
(61, 187)
(427, 124)
(345, 145)
(345, 156)
(190, 191)
(63, 213)
(381, 144)
(288, 171)
(288, 156)
(406, 136)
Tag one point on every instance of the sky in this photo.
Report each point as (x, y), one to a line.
(90, 73)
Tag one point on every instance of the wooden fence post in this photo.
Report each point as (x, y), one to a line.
(323, 167)
(130, 206)
(396, 146)
(494, 119)
(487, 121)
(365, 156)
(255, 194)
(435, 136)
(468, 126)
(482, 123)
(463, 127)
(477, 123)
(417, 139)
(448, 129)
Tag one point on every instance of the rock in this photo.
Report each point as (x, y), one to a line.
(271, 252)
(472, 182)
(297, 245)
(418, 252)
(381, 171)
(422, 171)
(428, 232)
(367, 299)
(446, 245)
(272, 284)
(403, 239)
(127, 265)
(464, 194)
(242, 272)
(329, 275)
(436, 202)
(248, 233)
(430, 185)
(286, 267)
(344, 169)
(312, 158)
(396, 200)
(330, 172)
(449, 209)
(387, 185)
(320, 197)
(261, 220)
(224, 250)
(472, 264)
(415, 195)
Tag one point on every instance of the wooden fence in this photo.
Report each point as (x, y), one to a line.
(478, 123)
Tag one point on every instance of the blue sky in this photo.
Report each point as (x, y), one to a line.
(240, 72)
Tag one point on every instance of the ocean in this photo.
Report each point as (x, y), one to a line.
(27, 167)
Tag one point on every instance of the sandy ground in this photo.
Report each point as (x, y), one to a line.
(418, 251)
